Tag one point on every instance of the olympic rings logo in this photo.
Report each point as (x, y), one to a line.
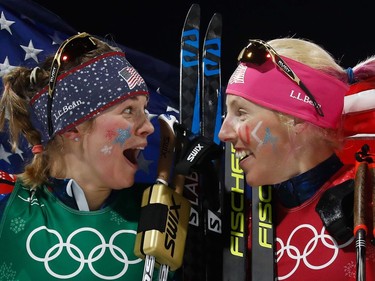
(302, 255)
(77, 255)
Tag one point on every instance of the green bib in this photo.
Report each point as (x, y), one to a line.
(43, 239)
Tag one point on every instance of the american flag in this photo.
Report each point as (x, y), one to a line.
(131, 76)
(29, 33)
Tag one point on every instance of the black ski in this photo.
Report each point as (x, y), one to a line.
(263, 235)
(193, 266)
(235, 219)
(190, 70)
(211, 113)
(198, 128)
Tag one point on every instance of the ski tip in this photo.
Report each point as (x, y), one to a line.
(215, 26)
(194, 6)
(195, 9)
(193, 16)
(216, 17)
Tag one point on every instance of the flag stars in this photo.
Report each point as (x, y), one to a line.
(56, 39)
(143, 163)
(31, 52)
(5, 24)
(4, 155)
(5, 67)
(19, 153)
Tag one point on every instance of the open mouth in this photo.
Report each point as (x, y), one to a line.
(242, 154)
(132, 155)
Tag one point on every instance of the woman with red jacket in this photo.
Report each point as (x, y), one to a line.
(284, 119)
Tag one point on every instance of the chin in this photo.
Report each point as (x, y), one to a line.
(250, 180)
(124, 184)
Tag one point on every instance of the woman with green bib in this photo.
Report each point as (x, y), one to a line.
(73, 213)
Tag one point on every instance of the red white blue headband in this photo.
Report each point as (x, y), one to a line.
(86, 90)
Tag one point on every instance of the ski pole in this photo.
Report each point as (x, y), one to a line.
(164, 215)
(360, 228)
(372, 178)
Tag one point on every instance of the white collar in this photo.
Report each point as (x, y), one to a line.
(75, 191)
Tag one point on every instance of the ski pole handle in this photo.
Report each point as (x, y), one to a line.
(179, 182)
(167, 146)
(181, 142)
(164, 218)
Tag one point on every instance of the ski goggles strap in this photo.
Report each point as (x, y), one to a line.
(69, 50)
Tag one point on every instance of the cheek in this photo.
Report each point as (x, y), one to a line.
(122, 135)
(270, 138)
(258, 134)
(116, 135)
(248, 131)
(110, 134)
(244, 132)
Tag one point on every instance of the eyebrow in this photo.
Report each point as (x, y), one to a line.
(234, 103)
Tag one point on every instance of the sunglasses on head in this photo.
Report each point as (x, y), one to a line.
(70, 49)
(258, 52)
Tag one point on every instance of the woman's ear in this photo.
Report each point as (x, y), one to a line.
(72, 134)
(299, 125)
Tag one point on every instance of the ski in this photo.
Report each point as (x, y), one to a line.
(263, 235)
(200, 120)
(235, 222)
(211, 77)
(189, 117)
(236, 199)
(211, 113)
(190, 71)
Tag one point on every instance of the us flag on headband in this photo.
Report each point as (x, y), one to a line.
(131, 76)
(29, 33)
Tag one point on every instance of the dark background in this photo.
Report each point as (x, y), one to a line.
(346, 30)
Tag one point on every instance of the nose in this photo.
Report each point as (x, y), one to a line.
(144, 127)
(227, 132)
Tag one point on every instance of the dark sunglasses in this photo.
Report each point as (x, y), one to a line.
(70, 49)
(258, 52)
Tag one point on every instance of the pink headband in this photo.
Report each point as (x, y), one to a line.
(271, 88)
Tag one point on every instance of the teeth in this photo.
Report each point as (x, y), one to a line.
(242, 154)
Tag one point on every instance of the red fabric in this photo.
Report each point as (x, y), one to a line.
(353, 145)
(6, 182)
(359, 119)
(305, 251)
(359, 108)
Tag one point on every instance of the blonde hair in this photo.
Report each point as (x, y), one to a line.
(315, 56)
(20, 86)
